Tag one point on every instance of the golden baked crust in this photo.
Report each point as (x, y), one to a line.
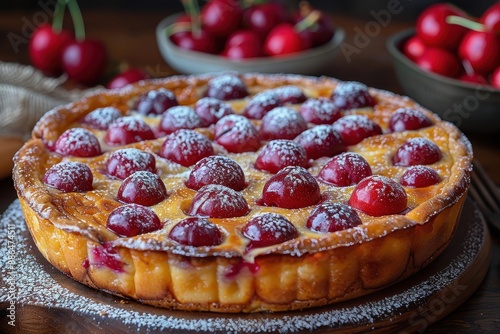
(311, 270)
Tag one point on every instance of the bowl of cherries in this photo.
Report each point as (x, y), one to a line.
(450, 63)
(248, 36)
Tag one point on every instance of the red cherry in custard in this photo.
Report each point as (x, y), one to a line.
(441, 62)
(433, 29)
(417, 151)
(216, 201)
(101, 118)
(355, 128)
(320, 111)
(332, 217)
(491, 18)
(419, 177)
(142, 187)
(321, 141)
(78, 142)
(186, 147)
(284, 39)
(261, 104)
(221, 17)
(289, 94)
(282, 123)
(345, 170)
(127, 130)
(269, 229)
(133, 219)
(155, 102)
(408, 119)
(292, 187)
(201, 41)
(351, 95)
(45, 49)
(127, 77)
(211, 110)
(196, 232)
(280, 153)
(126, 161)
(495, 78)
(237, 134)
(179, 117)
(227, 87)
(414, 48)
(378, 195)
(216, 169)
(84, 61)
(262, 17)
(69, 176)
(481, 49)
(105, 255)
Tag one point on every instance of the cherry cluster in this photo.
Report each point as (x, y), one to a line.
(250, 29)
(449, 42)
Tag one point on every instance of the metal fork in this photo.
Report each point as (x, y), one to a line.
(486, 195)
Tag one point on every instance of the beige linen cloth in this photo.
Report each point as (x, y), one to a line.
(25, 95)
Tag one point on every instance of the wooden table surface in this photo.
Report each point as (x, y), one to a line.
(129, 37)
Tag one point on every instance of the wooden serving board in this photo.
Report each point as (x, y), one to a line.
(49, 302)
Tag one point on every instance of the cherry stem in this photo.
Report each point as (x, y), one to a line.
(305, 8)
(465, 22)
(308, 21)
(57, 20)
(76, 16)
(193, 10)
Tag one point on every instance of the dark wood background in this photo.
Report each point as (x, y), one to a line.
(128, 32)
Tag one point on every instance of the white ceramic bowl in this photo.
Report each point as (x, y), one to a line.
(309, 62)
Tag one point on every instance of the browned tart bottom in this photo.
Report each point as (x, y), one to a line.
(311, 269)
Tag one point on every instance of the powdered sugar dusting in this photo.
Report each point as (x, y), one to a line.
(101, 118)
(35, 286)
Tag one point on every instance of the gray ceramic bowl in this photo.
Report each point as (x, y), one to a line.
(472, 108)
(309, 62)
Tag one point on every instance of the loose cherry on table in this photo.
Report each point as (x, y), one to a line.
(321, 141)
(345, 170)
(196, 232)
(211, 110)
(419, 176)
(124, 162)
(132, 219)
(69, 176)
(268, 229)
(216, 170)
(142, 187)
(292, 187)
(417, 151)
(280, 153)
(378, 195)
(78, 142)
(127, 130)
(45, 48)
(237, 134)
(332, 217)
(155, 102)
(216, 201)
(126, 77)
(433, 29)
(186, 147)
(282, 123)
